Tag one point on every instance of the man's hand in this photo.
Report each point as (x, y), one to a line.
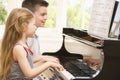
(45, 58)
(49, 58)
(92, 62)
(38, 60)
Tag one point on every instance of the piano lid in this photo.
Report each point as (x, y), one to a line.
(83, 36)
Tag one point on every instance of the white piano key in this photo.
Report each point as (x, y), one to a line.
(66, 75)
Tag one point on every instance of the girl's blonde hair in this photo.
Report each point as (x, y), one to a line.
(16, 23)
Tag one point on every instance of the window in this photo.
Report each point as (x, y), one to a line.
(3, 13)
(51, 17)
(63, 13)
(78, 13)
(69, 13)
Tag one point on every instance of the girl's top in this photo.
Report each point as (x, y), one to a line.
(16, 72)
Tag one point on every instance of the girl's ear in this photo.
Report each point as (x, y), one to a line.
(24, 26)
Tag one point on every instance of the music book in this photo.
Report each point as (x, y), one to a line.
(102, 18)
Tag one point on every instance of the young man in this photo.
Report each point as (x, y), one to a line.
(39, 8)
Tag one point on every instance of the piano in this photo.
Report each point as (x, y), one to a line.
(96, 41)
(76, 69)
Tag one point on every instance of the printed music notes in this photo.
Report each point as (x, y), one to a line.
(101, 18)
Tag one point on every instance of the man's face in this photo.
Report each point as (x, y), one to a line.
(40, 16)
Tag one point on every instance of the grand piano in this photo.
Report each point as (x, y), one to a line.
(93, 41)
(109, 51)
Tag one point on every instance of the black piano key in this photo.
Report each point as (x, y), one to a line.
(72, 68)
(83, 67)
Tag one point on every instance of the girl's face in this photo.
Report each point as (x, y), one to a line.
(31, 28)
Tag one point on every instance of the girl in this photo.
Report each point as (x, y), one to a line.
(16, 57)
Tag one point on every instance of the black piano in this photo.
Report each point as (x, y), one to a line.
(108, 49)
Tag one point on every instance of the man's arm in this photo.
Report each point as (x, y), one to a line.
(92, 62)
(38, 60)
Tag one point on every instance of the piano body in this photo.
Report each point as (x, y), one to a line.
(108, 50)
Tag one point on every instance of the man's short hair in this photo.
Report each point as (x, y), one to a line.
(32, 4)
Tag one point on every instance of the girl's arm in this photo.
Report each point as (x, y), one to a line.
(20, 55)
(44, 58)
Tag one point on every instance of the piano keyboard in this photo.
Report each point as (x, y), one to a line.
(87, 71)
(77, 68)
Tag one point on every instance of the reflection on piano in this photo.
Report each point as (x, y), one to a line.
(76, 69)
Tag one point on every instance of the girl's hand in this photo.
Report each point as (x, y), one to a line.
(56, 66)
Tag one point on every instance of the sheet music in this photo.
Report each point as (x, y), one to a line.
(101, 18)
(115, 27)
